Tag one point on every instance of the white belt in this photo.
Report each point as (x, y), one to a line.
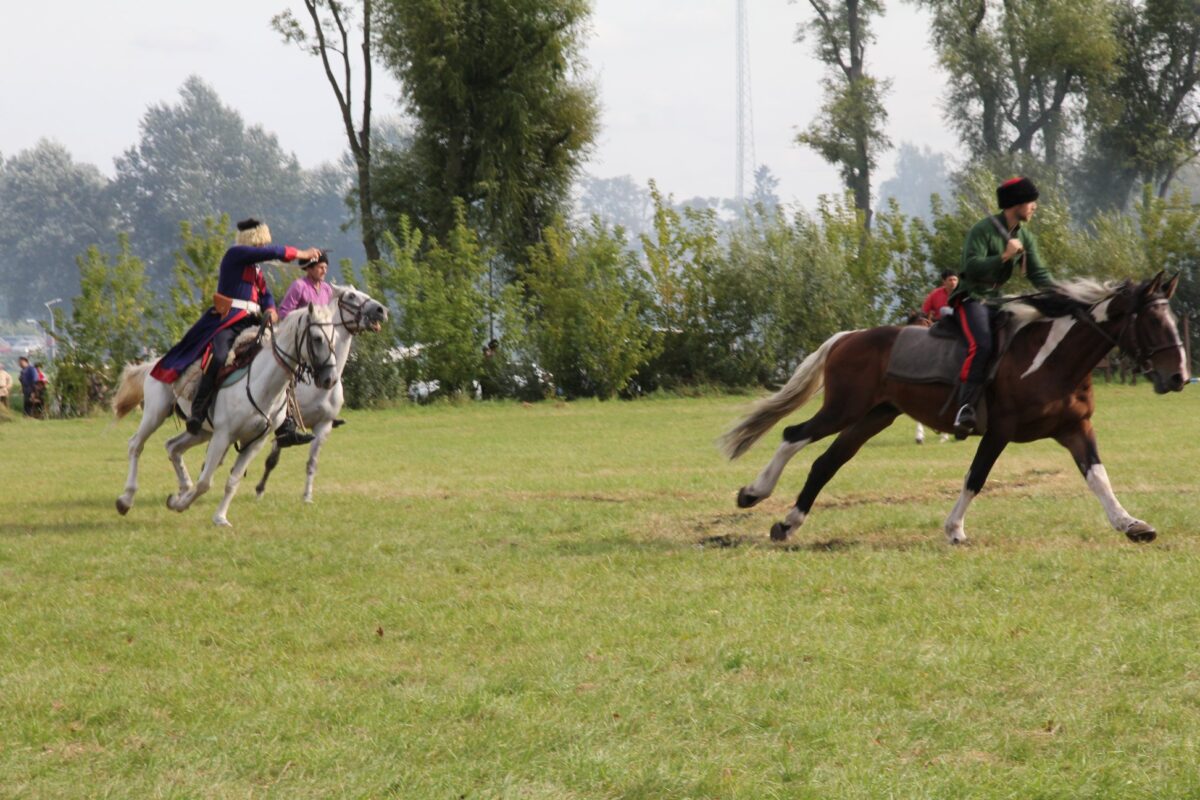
(247, 305)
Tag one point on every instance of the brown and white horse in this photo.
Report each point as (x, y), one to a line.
(1042, 389)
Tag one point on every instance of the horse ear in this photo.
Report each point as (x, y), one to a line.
(310, 306)
(1169, 288)
(1151, 288)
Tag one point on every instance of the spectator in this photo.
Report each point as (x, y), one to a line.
(28, 378)
(5, 387)
(937, 302)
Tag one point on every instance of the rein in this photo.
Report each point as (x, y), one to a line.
(1140, 355)
(291, 364)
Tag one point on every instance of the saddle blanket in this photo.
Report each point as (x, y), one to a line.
(918, 357)
(189, 381)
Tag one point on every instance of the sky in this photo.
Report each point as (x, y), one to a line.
(83, 73)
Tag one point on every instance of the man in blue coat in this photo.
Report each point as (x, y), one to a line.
(28, 378)
(242, 299)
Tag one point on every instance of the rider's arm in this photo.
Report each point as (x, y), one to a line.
(980, 261)
(1034, 269)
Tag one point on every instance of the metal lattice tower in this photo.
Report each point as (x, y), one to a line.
(745, 110)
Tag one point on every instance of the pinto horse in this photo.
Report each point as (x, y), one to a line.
(1042, 389)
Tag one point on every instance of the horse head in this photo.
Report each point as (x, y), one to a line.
(357, 311)
(310, 335)
(1148, 331)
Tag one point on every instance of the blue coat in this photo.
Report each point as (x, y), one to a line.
(240, 278)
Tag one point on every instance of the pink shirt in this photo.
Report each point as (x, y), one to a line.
(302, 292)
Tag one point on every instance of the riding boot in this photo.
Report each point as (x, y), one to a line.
(203, 399)
(968, 398)
(287, 434)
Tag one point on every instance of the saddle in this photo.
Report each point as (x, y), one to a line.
(935, 354)
(244, 349)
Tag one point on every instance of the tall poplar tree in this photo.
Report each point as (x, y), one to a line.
(848, 131)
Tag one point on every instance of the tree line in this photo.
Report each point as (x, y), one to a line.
(458, 211)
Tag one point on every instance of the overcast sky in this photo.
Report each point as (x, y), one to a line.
(83, 73)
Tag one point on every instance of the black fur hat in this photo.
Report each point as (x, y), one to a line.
(248, 224)
(1015, 191)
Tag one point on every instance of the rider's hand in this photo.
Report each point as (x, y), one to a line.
(272, 315)
(1014, 248)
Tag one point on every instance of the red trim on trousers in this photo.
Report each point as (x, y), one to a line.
(972, 345)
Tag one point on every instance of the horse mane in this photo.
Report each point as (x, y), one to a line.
(1061, 300)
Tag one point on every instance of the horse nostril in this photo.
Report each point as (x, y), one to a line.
(1177, 381)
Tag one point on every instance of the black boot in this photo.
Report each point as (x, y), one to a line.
(287, 434)
(337, 423)
(203, 399)
(968, 398)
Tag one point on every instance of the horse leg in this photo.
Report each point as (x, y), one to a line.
(1081, 442)
(322, 430)
(177, 445)
(795, 438)
(990, 448)
(920, 433)
(272, 461)
(235, 477)
(826, 466)
(212, 459)
(152, 418)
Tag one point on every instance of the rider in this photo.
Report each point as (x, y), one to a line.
(309, 288)
(995, 246)
(242, 296)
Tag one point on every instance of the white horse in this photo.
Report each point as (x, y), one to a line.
(354, 312)
(243, 412)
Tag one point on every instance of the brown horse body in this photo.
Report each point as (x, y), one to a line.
(1042, 389)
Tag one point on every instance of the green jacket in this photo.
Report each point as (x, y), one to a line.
(982, 273)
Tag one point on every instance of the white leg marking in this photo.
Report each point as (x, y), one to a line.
(1058, 330)
(1118, 517)
(920, 433)
(764, 484)
(794, 519)
(955, 533)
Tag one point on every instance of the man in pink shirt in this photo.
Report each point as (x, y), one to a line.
(311, 288)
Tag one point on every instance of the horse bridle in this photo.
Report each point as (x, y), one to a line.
(357, 311)
(1141, 355)
(293, 363)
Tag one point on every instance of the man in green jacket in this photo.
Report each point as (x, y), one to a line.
(995, 247)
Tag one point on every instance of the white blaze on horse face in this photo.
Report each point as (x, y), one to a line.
(765, 483)
(955, 532)
(1100, 311)
(1097, 481)
(1058, 331)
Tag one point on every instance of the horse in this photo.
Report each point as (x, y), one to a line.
(922, 321)
(355, 312)
(1042, 389)
(302, 341)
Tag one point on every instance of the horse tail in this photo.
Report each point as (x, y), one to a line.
(807, 380)
(130, 388)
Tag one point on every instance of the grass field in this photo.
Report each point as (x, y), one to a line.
(561, 601)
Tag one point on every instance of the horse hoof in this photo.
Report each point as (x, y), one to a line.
(221, 522)
(747, 500)
(1141, 533)
(122, 507)
(779, 532)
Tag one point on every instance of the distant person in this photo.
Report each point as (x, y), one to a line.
(937, 302)
(5, 387)
(28, 378)
(41, 387)
(242, 299)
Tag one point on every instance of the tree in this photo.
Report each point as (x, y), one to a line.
(503, 116)
(52, 208)
(331, 41)
(849, 131)
(584, 309)
(198, 159)
(920, 174)
(1145, 128)
(1019, 69)
(619, 201)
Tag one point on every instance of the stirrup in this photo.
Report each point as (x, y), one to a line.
(964, 421)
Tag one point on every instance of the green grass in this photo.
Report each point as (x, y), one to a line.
(500, 601)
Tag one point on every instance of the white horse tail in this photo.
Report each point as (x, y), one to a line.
(807, 380)
(130, 388)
